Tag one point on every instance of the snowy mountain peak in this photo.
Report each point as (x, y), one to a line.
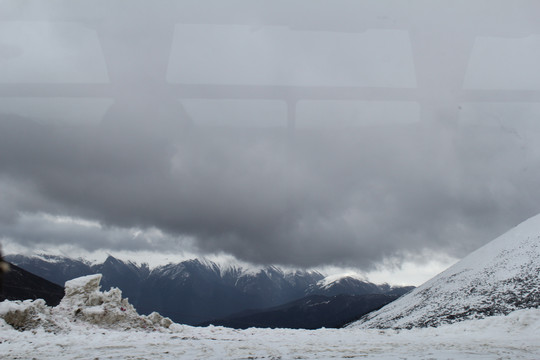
(355, 285)
(498, 278)
(49, 258)
(328, 281)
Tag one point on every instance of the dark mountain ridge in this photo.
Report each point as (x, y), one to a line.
(19, 284)
(310, 312)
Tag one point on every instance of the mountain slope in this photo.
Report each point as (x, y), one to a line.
(20, 284)
(498, 278)
(311, 312)
(191, 292)
(57, 269)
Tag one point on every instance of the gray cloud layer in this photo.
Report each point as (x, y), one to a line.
(313, 196)
(323, 197)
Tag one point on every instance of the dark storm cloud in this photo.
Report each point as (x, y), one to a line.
(329, 197)
(313, 196)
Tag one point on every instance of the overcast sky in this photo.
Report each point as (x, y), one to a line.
(363, 135)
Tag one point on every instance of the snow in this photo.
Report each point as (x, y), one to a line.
(500, 277)
(506, 337)
(329, 280)
(83, 284)
(90, 324)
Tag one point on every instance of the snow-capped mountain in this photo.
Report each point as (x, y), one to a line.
(498, 278)
(195, 291)
(189, 292)
(353, 285)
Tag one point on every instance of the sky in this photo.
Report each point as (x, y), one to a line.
(388, 138)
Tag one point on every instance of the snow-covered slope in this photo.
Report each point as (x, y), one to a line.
(498, 278)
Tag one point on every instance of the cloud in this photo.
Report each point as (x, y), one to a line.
(43, 231)
(352, 197)
(315, 195)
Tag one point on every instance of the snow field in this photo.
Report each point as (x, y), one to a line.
(514, 336)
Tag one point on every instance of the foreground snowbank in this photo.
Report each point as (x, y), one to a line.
(514, 336)
(83, 302)
(90, 324)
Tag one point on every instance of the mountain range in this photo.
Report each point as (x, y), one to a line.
(198, 291)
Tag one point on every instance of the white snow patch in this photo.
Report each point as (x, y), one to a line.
(499, 337)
